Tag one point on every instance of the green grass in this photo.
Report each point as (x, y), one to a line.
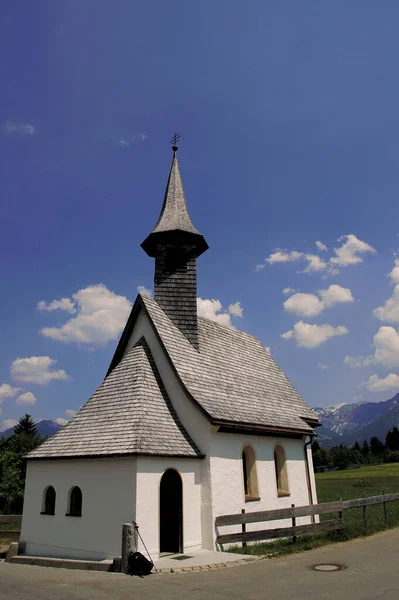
(349, 484)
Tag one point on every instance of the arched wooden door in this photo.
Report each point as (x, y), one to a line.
(171, 512)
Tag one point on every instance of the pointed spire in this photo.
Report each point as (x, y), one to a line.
(174, 225)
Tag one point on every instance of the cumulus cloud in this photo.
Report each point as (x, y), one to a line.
(213, 310)
(288, 290)
(259, 267)
(375, 384)
(235, 310)
(27, 399)
(11, 128)
(8, 423)
(64, 304)
(143, 290)
(360, 361)
(70, 413)
(309, 305)
(394, 274)
(281, 256)
(37, 369)
(324, 366)
(386, 344)
(312, 336)
(6, 391)
(321, 247)
(349, 253)
(61, 421)
(390, 310)
(315, 265)
(101, 316)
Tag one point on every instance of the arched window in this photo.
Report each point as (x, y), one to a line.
(49, 501)
(249, 473)
(75, 502)
(281, 471)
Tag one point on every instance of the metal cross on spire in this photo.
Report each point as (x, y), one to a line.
(174, 141)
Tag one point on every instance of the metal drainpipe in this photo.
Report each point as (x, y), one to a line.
(308, 472)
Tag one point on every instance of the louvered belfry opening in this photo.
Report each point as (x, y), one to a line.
(176, 244)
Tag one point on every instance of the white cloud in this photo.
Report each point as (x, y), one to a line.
(324, 366)
(143, 290)
(321, 247)
(306, 305)
(6, 391)
(8, 423)
(124, 142)
(336, 294)
(390, 310)
(312, 336)
(316, 264)
(36, 369)
(211, 309)
(288, 290)
(280, 256)
(259, 267)
(143, 136)
(70, 413)
(375, 384)
(236, 309)
(360, 361)
(26, 399)
(64, 304)
(61, 421)
(386, 344)
(102, 315)
(394, 274)
(349, 252)
(309, 305)
(24, 129)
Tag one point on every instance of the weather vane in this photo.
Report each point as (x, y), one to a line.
(174, 141)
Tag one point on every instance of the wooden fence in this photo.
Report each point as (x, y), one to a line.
(293, 513)
(11, 534)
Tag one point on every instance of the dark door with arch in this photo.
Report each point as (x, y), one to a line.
(171, 512)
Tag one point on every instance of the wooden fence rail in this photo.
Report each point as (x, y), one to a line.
(293, 512)
(10, 534)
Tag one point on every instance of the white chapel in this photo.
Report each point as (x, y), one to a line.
(193, 420)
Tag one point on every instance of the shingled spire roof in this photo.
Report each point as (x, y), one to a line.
(174, 224)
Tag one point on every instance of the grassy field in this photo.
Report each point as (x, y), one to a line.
(372, 481)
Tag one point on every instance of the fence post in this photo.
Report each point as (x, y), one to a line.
(243, 528)
(385, 508)
(127, 540)
(364, 512)
(341, 512)
(293, 523)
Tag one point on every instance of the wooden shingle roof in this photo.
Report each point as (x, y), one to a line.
(233, 377)
(130, 413)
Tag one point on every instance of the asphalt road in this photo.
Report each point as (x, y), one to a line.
(372, 572)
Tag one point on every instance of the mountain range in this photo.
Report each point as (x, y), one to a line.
(44, 428)
(350, 423)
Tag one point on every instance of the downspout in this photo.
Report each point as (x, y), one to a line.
(308, 472)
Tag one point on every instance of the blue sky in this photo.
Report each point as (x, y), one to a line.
(288, 112)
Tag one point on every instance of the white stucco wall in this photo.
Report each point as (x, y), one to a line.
(149, 474)
(109, 496)
(193, 420)
(228, 484)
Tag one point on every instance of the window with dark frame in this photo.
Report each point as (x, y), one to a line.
(75, 502)
(49, 501)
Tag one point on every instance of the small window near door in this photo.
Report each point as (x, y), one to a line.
(249, 474)
(75, 502)
(281, 472)
(49, 501)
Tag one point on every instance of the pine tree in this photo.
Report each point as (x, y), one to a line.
(27, 426)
